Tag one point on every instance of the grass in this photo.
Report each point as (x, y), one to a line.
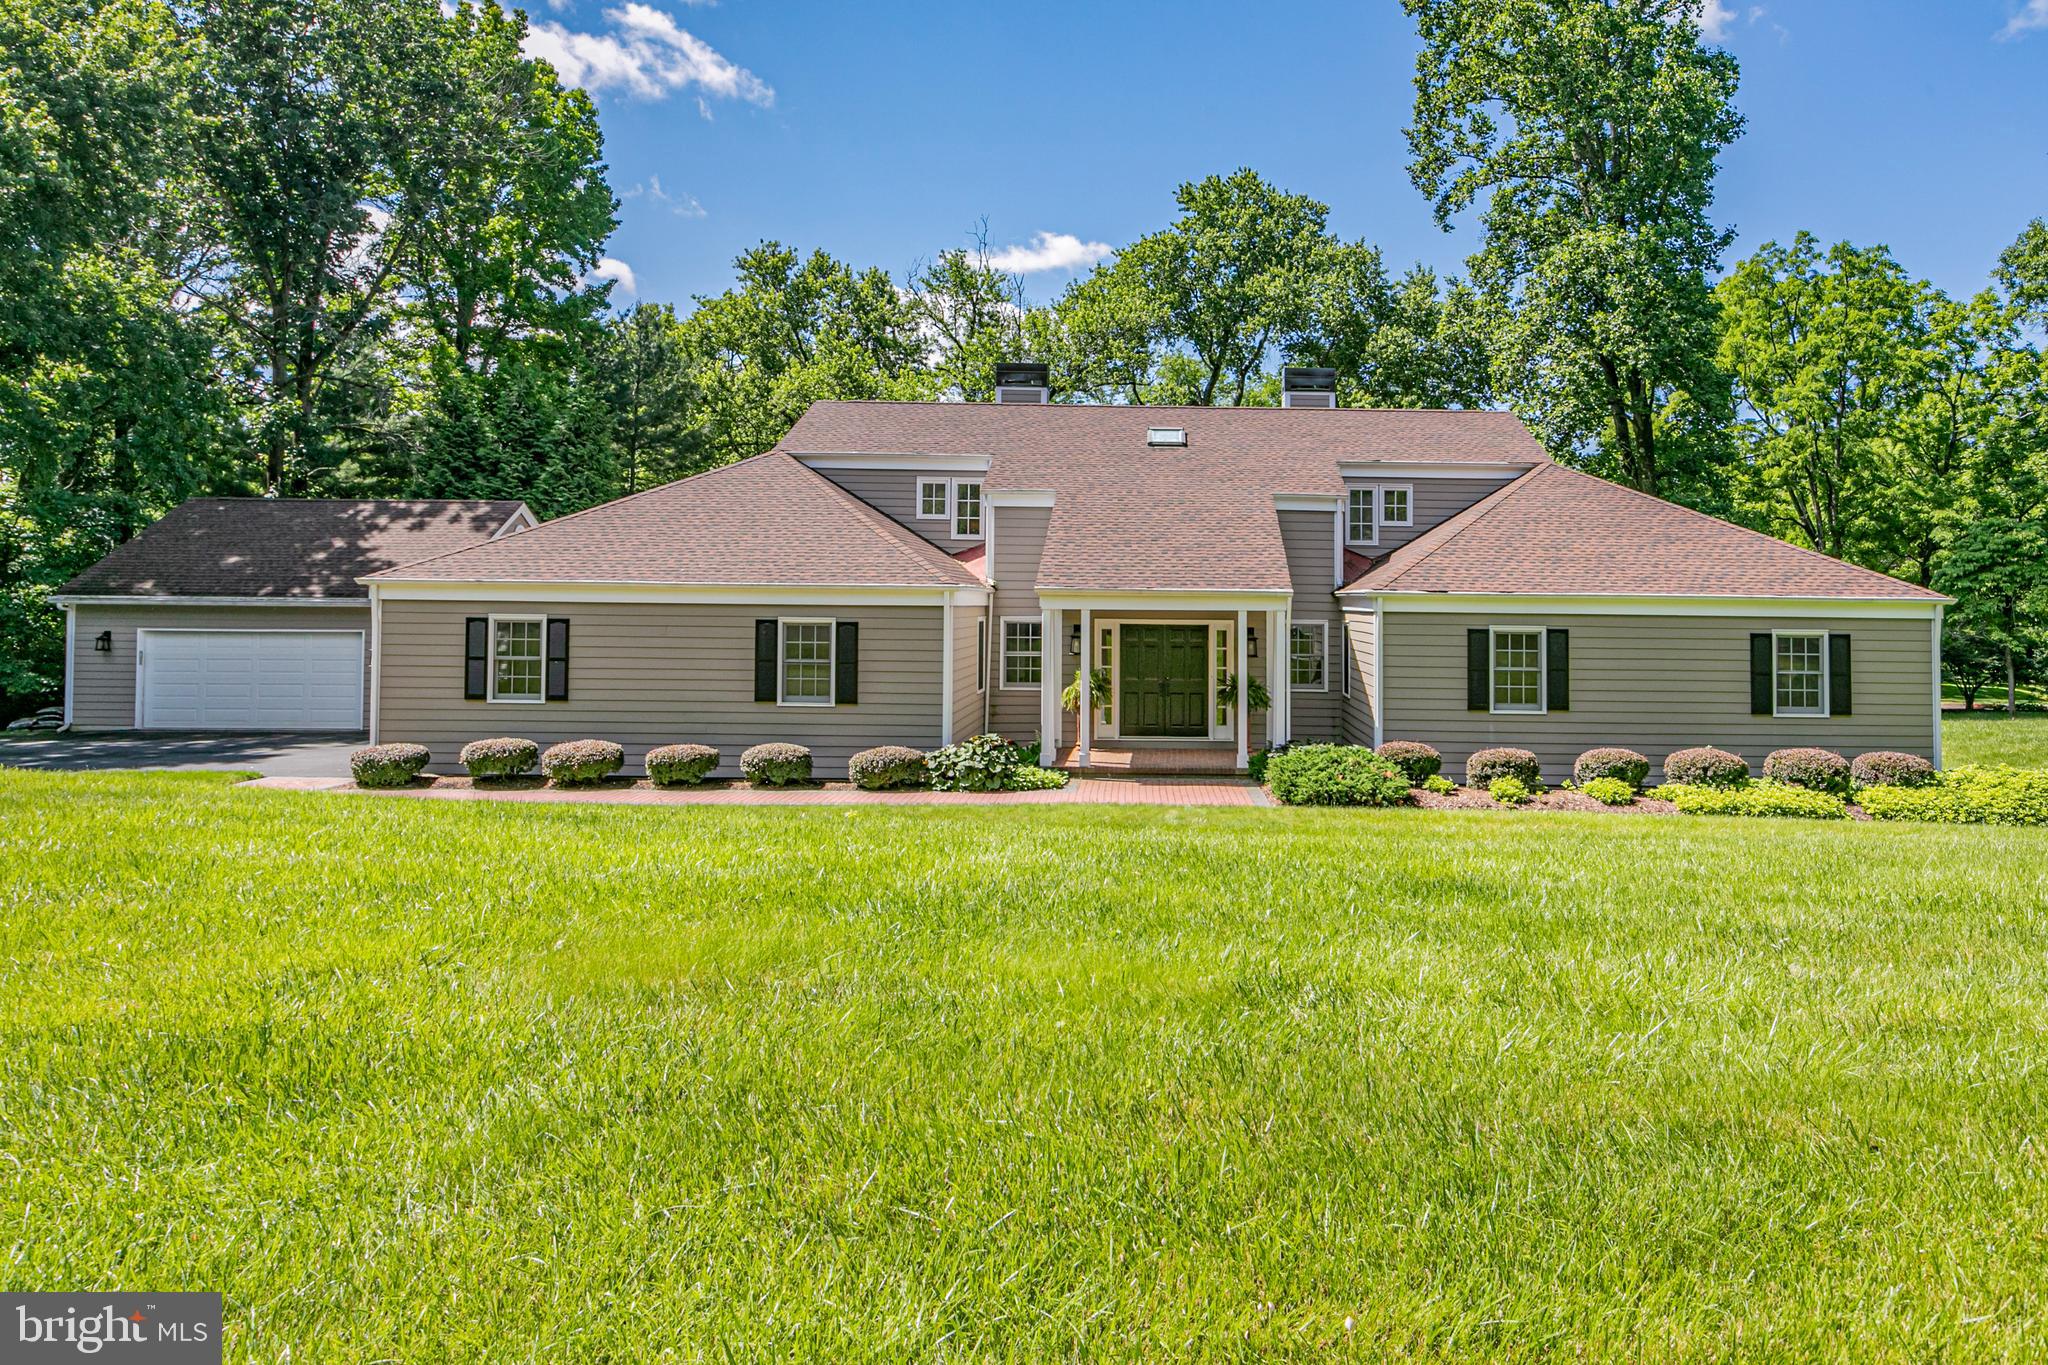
(1994, 737)
(416, 1081)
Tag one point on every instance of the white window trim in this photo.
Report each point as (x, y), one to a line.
(1820, 712)
(945, 487)
(491, 662)
(1322, 630)
(1382, 519)
(782, 625)
(1542, 706)
(1003, 682)
(1372, 498)
(953, 508)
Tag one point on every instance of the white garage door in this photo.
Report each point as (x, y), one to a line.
(251, 679)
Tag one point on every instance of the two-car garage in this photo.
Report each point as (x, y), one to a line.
(249, 679)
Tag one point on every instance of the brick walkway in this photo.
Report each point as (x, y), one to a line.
(1082, 791)
(1211, 761)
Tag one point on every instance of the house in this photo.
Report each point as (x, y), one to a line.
(915, 573)
(248, 613)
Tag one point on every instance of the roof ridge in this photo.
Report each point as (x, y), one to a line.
(1148, 407)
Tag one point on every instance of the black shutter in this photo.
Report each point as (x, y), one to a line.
(476, 658)
(1761, 688)
(1478, 666)
(846, 664)
(558, 659)
(764, 660)
(1557, 659)
(1838, 675)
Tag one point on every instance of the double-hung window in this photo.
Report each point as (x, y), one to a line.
(516, 658)
(806, 663)
(1800, 674)
(934, 499)
(1359, 524)
(1397, 506)
(1307, 649)
(1023, 652)
(966, 509)
(1518, 670)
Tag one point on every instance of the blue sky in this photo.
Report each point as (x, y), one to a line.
(885, 133)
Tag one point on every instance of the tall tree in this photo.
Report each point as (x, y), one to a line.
(1589, 131)
(1406, 342)
(644, 363)
(970, 315)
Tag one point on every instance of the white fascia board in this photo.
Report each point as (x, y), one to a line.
(556, 590)
(1308, 502)
(1431, 469)
(1166, 600)
(1017, 497)
(168, 600)
(923, 461)
(1605, 604)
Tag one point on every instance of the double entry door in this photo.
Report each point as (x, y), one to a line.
(1163, 681)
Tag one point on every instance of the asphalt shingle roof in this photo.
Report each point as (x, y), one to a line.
(284, 547)
(1556, 531)
(763, 522)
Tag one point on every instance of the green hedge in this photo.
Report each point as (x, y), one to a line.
(1756, 798)
(1966, 796)
(1335, 775)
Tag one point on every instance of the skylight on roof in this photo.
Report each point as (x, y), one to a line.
(1166, 436)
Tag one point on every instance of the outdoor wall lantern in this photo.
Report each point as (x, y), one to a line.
(1074, 640)
(1251, 636)
(103, 643)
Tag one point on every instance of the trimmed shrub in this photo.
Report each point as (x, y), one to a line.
(388, 765)
(891, 765)
(1820, 770)
(582, 761)
(1487, 764)
(499, 757)
(1419, 762)
(1966, 796)
(1335, 775)
(1029, 777)
(1609, 791)
(1623, 765)
(1885, 768)
(1765, 798)
(1255, 766)
(1439, 785)
(680, 765)
(1509, 791)
(1706, 767)
(985, 763)
(776, 765)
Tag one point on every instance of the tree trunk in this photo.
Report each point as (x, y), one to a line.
(2012, 704)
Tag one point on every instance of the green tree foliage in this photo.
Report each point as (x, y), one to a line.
(1586, 132)
(1997, 569)
(643, 364)
(969, 316)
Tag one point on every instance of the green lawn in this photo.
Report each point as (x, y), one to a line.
(1994, 737)
(420, 1081)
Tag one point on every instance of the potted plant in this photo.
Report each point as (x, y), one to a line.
(1098, 690)
(1258, 698)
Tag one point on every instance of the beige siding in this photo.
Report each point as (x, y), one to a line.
(645, 674)
(968, 673)
(893, 492)
(1435, 501)
(1655, 684)
(1019, 541)
(1358, 662)
(1310, 539)
(103, 685)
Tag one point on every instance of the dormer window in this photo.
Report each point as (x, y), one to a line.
(1166, 436)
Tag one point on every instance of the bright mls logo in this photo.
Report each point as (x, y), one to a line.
(162, 1329)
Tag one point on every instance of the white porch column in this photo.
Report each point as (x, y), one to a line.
(1084, 720)
(1280, 717)
(1239, 659)
(1049, 688)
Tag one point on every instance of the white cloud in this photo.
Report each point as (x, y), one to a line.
(1715, 20)
(619, 273)
(645, 53)
(681, 204)
(1049, 251)
(2033, 16)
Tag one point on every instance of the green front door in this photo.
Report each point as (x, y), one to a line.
(1163, 681)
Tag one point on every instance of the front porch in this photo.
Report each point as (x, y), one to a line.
(1209, 760)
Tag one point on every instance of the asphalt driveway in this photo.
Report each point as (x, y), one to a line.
(273, 755)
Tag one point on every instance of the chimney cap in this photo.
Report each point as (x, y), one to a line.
(1023, 374)
(1308, 379)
